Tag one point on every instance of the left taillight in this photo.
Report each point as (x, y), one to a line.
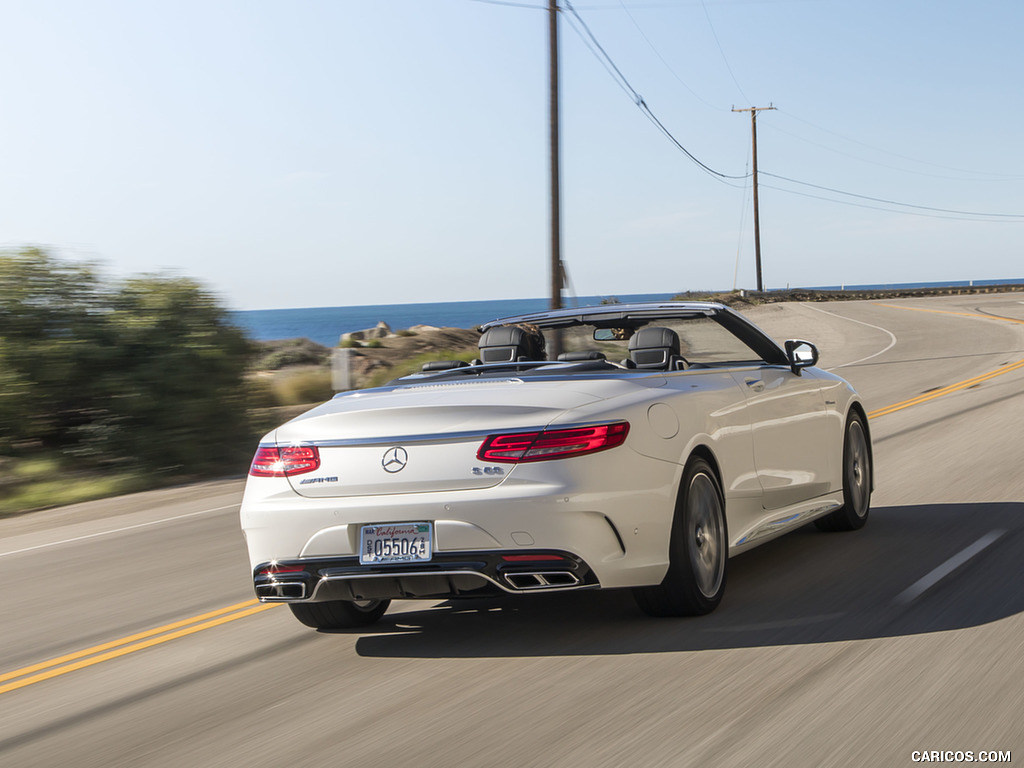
(284, 460)
(518, 447)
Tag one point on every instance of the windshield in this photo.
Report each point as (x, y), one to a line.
(641, 342)
(702, 340)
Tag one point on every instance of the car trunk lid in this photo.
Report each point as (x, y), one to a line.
(420, 438)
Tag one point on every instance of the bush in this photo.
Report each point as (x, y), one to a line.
(282, 354)
(414, 364)
(303, 387)
(144, 374)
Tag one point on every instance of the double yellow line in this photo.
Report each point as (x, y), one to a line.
(946, 390)
(924, 398)
(46, 670)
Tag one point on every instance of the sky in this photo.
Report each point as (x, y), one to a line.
(339, 152)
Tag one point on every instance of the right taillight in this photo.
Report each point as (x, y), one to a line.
(519, 447)
(284, 460)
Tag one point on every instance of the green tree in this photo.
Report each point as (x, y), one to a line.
(144, 374)
(178, 394)
(52, 326)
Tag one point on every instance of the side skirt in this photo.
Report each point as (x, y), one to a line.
(783, 521)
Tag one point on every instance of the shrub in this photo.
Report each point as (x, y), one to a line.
(143, 374)
(282, 354)
(303, 387)
(414, 364)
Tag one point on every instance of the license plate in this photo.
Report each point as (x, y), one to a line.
(395, 543)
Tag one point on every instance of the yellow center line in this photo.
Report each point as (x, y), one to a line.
(946, 390)
(130, 644)
(951, 312)
(924, 398)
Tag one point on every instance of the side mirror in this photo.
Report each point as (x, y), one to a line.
(801, 354)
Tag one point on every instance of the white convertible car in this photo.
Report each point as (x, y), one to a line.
(664, 439)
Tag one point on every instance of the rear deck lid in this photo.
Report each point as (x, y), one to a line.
(421, 438)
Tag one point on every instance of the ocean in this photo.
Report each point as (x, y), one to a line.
(325, 325)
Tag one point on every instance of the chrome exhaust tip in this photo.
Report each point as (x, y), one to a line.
(281, 590)
(541, 579)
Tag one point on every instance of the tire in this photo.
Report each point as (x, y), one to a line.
(698, 550)
(339, 614)
(857, 480)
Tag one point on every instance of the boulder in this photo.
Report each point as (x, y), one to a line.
(381, 331)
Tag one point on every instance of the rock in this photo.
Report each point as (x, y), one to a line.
(381, 331)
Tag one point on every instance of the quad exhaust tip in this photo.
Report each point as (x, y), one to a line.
(541, 579)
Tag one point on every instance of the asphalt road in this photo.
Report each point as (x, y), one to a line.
(130, 637)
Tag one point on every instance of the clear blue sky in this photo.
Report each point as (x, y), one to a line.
(334, 152)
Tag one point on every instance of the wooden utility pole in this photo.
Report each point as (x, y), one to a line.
(757, 224)
(555, 342)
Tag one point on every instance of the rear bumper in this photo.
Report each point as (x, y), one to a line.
(447, 575)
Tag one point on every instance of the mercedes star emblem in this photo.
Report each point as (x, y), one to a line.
(395, 460)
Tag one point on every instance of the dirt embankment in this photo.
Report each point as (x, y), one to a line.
(372, 361)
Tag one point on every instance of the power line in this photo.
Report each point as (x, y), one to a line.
(894, 154)
(714, 34)
(598, 50)
(663, 60)
(511, 4)
(896, 202)
(861, 159)
(595, 47)
(886, 210)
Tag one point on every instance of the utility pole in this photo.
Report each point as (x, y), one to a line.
(757, 224)
(555, 342)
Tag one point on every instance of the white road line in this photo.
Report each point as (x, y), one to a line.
(892, 336)
(928, 581)
(116, 530)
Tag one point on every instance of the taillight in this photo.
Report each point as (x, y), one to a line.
(284, 460)
(552, 443)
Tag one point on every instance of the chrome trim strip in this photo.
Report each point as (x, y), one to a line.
(447, 437)
(463, 572)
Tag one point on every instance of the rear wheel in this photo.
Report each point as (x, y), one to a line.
(698, 550)
(856, 481)
(339, 614)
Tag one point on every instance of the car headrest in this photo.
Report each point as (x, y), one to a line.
(654, 347)
(575, 357)
(509, 344)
